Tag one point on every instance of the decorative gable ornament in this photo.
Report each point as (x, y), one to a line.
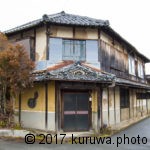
(75, 72)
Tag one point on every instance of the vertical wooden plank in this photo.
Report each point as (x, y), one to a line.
(56, 105)
(136, 108)
(34, 44)
(99, 44)
(114, 105)
(59, 108)
(117, 100)
(108, 107)
(112, 57)
(98, 108)
(147, 105)
(142, 107)
(47, 42)
(101, 106)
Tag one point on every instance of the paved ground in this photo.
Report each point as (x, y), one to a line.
(138, 134)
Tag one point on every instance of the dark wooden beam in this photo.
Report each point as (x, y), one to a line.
(100, 114)
(34, 44)
(47, 41)
(115, 105)
(46, 105)
(56, 105)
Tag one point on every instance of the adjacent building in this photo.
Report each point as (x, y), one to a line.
(87, 76)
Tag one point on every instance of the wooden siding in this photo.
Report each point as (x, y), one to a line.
(112, 55)
(115, 61)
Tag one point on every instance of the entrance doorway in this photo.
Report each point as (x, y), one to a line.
(75, 111)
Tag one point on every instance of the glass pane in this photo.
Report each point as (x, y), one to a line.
(82, 122)
(69, 122)
(69, 101)
(82, 101)
(55, 49)
(67, 49)
(73, 50)
(79, 50)
(92, 50)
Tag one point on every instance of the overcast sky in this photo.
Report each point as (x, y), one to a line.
(130, 18)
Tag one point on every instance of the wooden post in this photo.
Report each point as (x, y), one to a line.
(46, 104)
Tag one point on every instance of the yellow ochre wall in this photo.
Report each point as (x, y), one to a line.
(51, 96)
(94, 101)
(29, 93)
(40, 106)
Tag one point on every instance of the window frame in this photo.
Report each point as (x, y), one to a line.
(140, 70)
(73, 57)
(131, 62)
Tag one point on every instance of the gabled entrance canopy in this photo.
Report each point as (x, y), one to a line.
(74, 72)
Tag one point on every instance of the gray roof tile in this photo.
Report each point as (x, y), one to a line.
(62, 18)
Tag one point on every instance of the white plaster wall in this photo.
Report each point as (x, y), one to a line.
(148, 104)
(94, 121)
(124, 114)
(51, 121)
(131, 103)
(105, 106)
(117, 104)
(33, 119)
(144, 107)
(36, 120)
(111, 106)
(134, 106)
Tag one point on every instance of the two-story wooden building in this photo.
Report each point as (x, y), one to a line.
(87, 75)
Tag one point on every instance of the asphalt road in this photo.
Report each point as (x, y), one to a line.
(136, 137)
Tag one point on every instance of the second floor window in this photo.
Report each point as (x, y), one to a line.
(140, 70)
(73, 50)
(131, 65)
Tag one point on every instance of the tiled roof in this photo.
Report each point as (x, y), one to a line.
(73, 72)
(120, 81)
(62, 18)
(70, 71)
